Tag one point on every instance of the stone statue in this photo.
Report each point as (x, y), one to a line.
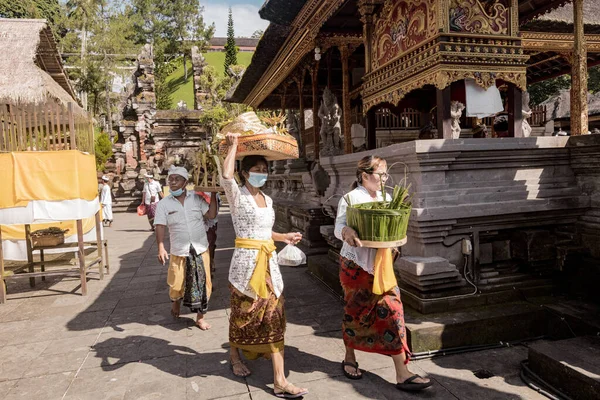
(427, 131)
(480, 130)
(525, 127)
(456, 109)
(293, 125)
(331, 128)
(595, 131)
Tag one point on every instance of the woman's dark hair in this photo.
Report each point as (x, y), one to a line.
(248, 162)
(366, 164)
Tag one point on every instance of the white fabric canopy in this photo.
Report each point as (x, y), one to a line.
(42, 211)
(482, 102)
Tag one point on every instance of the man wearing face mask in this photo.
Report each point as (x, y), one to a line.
(188, 277)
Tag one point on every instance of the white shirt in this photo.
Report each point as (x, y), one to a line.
(250, 222)
(152, 189)
(362, 256)
(185, 223)
(105, 195)
(210, 223)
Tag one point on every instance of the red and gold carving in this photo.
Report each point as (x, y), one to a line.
(401, 26)
(481, 17)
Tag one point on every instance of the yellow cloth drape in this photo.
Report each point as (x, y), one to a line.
(46, 175)
(17, 232)
(265, 248)
(384, 278)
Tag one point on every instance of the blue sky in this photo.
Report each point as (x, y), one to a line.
(245, 16)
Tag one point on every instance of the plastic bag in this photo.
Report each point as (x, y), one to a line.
(141, 210)
(291, 256)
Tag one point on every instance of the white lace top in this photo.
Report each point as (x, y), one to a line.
(362, 256)
(250, 222)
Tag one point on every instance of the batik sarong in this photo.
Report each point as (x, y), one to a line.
(189, 280)
(151, 212)
(373, 323)
(256, 326)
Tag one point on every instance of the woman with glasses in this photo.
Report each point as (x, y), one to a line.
(257, 321)
(372, 322)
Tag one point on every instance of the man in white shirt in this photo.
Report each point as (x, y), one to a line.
(189, 266)
(151, 195)
(106, 202)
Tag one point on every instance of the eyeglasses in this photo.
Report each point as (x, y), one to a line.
(382, 175)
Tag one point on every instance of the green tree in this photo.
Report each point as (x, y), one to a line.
(49, 10)
(230, 47)
(542, 91)
(103, 149)
(189, 29)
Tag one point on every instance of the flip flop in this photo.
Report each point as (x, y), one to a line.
(284, 394)
(348, 374)
(410, 386)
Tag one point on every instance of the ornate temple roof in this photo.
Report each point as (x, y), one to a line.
(543, 15)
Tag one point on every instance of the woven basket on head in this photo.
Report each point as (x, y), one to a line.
(257, 139)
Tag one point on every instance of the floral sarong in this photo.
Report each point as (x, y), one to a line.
(256, 326)
(372, 322)
(187, 277)
(151, 212)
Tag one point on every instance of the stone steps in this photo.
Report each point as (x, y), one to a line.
(126, 204)
(571, 366)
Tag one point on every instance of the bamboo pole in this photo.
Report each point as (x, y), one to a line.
(64, 120)
(30, 111)
(3, 135)
(38, 140)
(12, 129)
(2, 287)
(72, 126)
(57, 119)
(81, 254)
(51, 126)
(21, 128)
(99, 244)
(29, 253)
(92, 148)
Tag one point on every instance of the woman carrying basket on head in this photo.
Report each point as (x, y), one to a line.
(373, 315)
(257, 320)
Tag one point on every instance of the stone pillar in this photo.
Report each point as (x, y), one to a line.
(579, 106)
(315, 101)
(347, 119)
(198, 64)
(515, 111)
(444, 120)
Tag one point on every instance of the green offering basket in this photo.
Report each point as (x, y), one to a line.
(378, 228)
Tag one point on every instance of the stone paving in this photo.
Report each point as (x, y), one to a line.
(120, 342)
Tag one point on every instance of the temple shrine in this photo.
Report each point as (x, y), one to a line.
(440, 86)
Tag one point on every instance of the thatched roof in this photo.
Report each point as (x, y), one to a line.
(591, 13)
(31, 70)
(559, 106)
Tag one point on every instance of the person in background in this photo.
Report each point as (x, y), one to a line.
(183, 212)
(211, 232)
(151, 195)
(106, 202)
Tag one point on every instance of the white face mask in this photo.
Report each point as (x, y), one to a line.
(257, 180)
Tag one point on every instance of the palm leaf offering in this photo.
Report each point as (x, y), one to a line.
(381, 221)
(207, 167)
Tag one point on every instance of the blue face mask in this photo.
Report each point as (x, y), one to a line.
(177, 192)
(257, 180)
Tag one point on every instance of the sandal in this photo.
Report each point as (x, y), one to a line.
(285, 393)
(233, 364)
(410, 386)
(356, 376)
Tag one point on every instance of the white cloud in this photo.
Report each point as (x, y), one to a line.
(245, 19)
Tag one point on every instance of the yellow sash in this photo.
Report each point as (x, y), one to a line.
(384, 278)
(258, 282)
